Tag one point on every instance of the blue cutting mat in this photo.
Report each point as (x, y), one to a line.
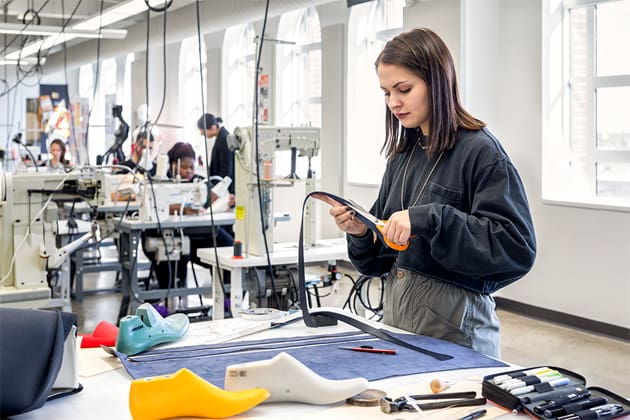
(320, 353)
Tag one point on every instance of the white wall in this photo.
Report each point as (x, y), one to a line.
(581, 267)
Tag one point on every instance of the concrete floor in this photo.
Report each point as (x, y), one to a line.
(526, 341)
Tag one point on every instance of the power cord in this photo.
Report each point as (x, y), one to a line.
(360, 292)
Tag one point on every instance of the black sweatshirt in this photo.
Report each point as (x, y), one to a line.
(472, 224)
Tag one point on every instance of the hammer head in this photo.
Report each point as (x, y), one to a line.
(392, 406)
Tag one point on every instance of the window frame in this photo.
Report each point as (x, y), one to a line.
(569, 175)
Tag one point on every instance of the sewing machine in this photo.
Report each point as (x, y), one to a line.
(157, 197)
(29, 226)
(249, 228)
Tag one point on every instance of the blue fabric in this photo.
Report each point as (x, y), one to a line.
(320, 353)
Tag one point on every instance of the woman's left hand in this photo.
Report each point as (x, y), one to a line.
(398, 228)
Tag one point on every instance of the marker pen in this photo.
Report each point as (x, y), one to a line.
(554, 384)
(562, 400)
(530, 380)
(535, 375)
(600, 412)
(575, 407)
(552, 395)
(506, 377)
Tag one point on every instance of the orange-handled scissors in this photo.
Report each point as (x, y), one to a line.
(373, 223)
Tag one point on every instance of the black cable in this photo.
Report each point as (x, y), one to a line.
(26, 25)
(167, 4)
(146, 76)
(259, 189)
(96, 79)
(65, 72)
(205, 142)
(362, 284)
(161, 233)
(164, 9)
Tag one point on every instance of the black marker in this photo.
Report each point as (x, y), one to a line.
(474, 415)
(600, 412)
(562, 400)
(575, 407)
(551, 395)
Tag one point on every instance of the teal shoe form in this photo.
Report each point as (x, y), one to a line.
(147, 328)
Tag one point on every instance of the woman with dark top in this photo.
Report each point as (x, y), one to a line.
(182, 164)
(452, 193)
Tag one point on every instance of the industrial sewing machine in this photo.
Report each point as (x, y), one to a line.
(29, 227)
(249, 227)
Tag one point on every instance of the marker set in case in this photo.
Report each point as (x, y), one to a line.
(553, 393)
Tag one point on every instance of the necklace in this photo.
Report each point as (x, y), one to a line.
(426, 180)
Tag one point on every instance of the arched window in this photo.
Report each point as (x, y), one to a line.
(299, 87)
(239, 52)
(370, 26)
(101, 125)
(194, 102)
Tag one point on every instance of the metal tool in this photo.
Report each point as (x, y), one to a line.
(452, 399)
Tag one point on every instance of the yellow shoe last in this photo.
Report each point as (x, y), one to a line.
(185, 394)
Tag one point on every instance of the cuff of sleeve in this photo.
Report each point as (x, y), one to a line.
(421, 220)
(360, 242)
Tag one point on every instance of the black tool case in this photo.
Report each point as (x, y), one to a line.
(533, 403)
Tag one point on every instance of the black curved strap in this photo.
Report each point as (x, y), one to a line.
(324, 317)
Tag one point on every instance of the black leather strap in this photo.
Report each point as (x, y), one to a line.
(323, 317)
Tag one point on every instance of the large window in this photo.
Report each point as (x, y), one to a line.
(587, 97)
(239, 52)
(370, 26)
(86, 95)
(299, 87)
(193, 103)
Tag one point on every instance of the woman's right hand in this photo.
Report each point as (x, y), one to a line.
(346, 220)
(344, 216)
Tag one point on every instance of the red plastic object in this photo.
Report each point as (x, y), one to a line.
(105, 333)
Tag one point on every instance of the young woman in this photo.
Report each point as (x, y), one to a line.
(57, 161)
(451, 192)
(182, 164)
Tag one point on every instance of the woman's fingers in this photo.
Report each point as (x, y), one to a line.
(398, 228)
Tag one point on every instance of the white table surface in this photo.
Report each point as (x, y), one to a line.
(105, 395)
(283, 254)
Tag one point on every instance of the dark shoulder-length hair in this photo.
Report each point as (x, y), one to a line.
(423, 52)
(62, 146)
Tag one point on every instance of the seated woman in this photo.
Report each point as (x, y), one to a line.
(182, 165)
(57, 161)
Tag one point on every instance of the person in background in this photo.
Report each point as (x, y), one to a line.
(452, 193)
(135, 158)
(57, 161)
(221, 157)
(182, 164)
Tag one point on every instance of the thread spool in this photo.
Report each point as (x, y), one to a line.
(438, 385)
(238, 250)
(267, 170)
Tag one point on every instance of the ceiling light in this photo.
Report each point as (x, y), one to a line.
(19, 29)
(26, 61)
(112, 15)
(41, 45)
